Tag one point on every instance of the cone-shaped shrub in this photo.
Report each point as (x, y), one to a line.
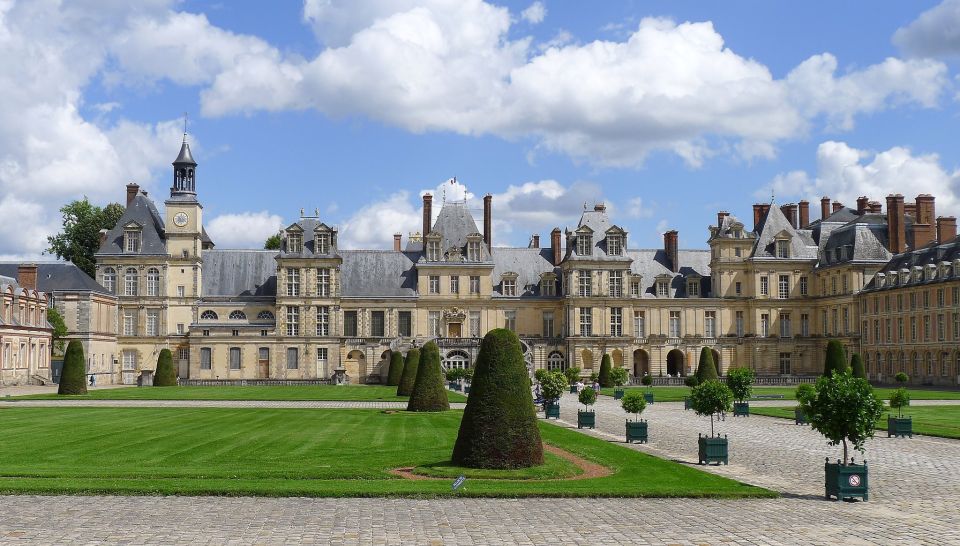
(409, 375)
(396, 369)
(707, 368)
(73, 378)
(165, 375)
(499, 426)
(604, 379)
(836, 360)
(428, 392)
(856, 365)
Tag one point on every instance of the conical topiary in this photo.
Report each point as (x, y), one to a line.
(836, 360)
(856, 365)
(73, 377)
(604, 378)
(409, 375)
(428, 392)
(165, 374)
(707, 368)
(396, 368)
(499, 426)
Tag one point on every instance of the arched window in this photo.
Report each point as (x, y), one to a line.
(555, 361)
(110, 280)
(929, 361)
(457, 359)
(238, 315)
(130, 282)
(209, 315)
(265, 315)
(153, 282)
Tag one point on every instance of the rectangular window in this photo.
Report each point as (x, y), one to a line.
(639, 324)
(473, 251)
(663, 289)
(941, 296)
(129, 323)
(616, 321)
(404, 324)
(263, 356)
(634, 289)
(764, 285)
(474, 323)
(783, 286)
(322, 241)
(710, 324)
(784, 363)
(293, 320)
(739, 323)
(846, 320)
(350, 323)
(693, 288)
(323, 282)
(674, 323)
(803, 286)
(205, 358)
(323, 320)
(823, 322)
(913, 328)
(153, 283)
(455, 284)
(876, 331)
(548, 324)
(614, 245)
(833, 285)
(804, 325)
(509, 287)
(899, 302)
(586, 321)
(377, 325)
(434, 284)
(474, 284)
(738, 252)
(900, 330)
(846, 284)
(583, 283)
(433, 318)
(783, 249)
(133, 241)
(433, 251)
(616, 284)
(153, 322)
(738, 288)
(888, 331)
(956, 329)
(293, 281)
(584, 245)
(181, 291)
(764, 325)
(510, 320)
(234, 358)
(941, 328)
(548, 287)
(293, 358)
(913, 300)
(926, 327)
(926, 299)
(294, 243)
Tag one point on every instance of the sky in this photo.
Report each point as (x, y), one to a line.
(666, 111)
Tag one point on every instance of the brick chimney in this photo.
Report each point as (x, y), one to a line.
(926, 209)
(599, 207)
(396, 241)
(103, 236)
(874, 207)
(896, 229)
(946, 229)
(535, 241)
(837, 206)
(824, 207)
(862, 202)
(555, 245)
(27, 276)
(924, 226)
(790, 211)
(804, 210)
(427, 213)
(720, 216)
(911, 209)
(670, 248)
(488, 220)
(760, 211)
(132, 190)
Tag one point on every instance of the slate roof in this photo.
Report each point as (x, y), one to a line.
(239, 274)
(377, 273)
(309, 225)
(184, 156)
(863, 239)
(651, 263)
(773, 224)
(930, 255)
(142, 211)
(528, 263)
(599, 222)
(57, 277)
(725, 229)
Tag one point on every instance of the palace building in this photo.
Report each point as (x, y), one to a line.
(766, 294)
(25, 334)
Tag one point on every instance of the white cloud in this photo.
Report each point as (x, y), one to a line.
(935, 33)
(243, 229)
(535, 14)
(373, 225)
(636, 208)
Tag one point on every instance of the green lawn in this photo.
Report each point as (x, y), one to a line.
(941, 421)
(297, 452)
(376, 393)
(676, 394)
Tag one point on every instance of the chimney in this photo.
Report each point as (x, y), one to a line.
(103, 236)
(599, 207)
(555, 245)
(862, 202)
(946, 229)
(671, 250)
(804, 213)
(132, 190)
(488, 220)
(926, 210)
(535, 241)
(720, 216)
(911, 209)
(790, 211)
(837, 206)
(396, 241)
(427, 213)
(896, 231)
(27, 276)
(759, 213)
(875, 207)
(924, 225)
(824, 208)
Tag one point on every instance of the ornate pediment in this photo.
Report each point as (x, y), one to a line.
(454, 314)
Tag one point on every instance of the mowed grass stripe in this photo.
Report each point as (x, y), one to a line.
(333, 393)
(943, 421)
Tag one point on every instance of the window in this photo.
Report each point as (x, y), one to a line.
(634, 288)
(764, 286)
(181, 291)
(323, 320)
(404, 324)
(474, 323)
(663, 289)
(322, 362)
(739, 323)
(265, 315)
(804, 325)
(583, 283)
(180, 329)
(785, 325)
(433, 318)
(205, 358)
(941, 296)
(132, 238)
(846, 320)
(153, 282)
(235, 333)
(294, 243)
(913, 328)
(509, 287)
(510, 320)
(350, 323)
(234, 358)
(888, 330)
(833, 285)
(209, 315)
(639, 324)
(473, 251)
(455, 284)
(434, 284)
(783, 287)
(548, 324)
(586, 321)
(900, 330)
(876, 331)
(784, 363)
(110, 279)
(129, 323)
(738, 252)
(237, 314)
(674, 323)
(926, 327)
(956, 329)
(913, 300)
(548, 286)
(322, 241)
(764, 325)
(130, 282)
(433, 251)
(153, 322)
(323, 282)
(783, 249)
(803, 286)
(377, 323)
(555, 361)
(616, 321)
(846, 284)
(693, 288)
(926, 299)
(293, 358)
(293, 321)
(584, 244)
(710, 324)
(616, 284)
(293, 281)
(474, 284)
(738, 288)
(614, 245)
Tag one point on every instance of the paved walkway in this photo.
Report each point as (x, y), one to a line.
(307, 404)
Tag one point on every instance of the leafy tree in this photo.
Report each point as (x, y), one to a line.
(272, 242)
(691, 381)
(706, 368)
(646, 380)
(540, 374)
(396, 369)
(594, 377)
(73, 377)
(428, 393)
(804, 391)
(856, 364)
(710, 398)
(619, 376)
(572, 375)
(604, 377)
(844, 409)
(836, 359)
(59, 328)
(633, 402)
(553, 385)
(499, 426)
(80, 238)
(740, 381)
(453, 374)
(587, 396)
(165, 375)
(899, 399)
(467, 373)
(409, 376)
(901, 377)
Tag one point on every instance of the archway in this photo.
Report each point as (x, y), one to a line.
(383, 367)
(716, 361)
(356, 367)
(676, 363)
(641, 363)
(456, 359)
(586, 359)
(555, 361)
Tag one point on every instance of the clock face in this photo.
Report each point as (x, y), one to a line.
(180, 219)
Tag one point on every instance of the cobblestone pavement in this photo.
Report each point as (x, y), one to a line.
(307, 404)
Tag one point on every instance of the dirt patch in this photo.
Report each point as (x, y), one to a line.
(590, 469)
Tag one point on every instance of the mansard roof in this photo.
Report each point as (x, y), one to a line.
(454, 224)
(239, 274)
(529, 264)
(142, 211)
(58, 277)
(775, 225)
(653, 263)
(935, 254)
(378, 273)
(309, 226)
(598, 222)
(863, 239)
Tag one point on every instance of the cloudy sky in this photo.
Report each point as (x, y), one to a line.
(667, 111)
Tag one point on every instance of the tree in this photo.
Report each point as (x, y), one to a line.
(901, 377)
(80, 238)
(272, 242)
(499, 425)
(552, 386)
(710, 398)
(740, 382)
(633, 402)
(59, 328)
(587, 396)
(845, 409)
(646, 381)
(428, 393)
(691, 381)
(453, 374)
(899, 399)
(804, 391)
(619, 376)
(73, 377)
(604, 377)
(409, 376)
(396, 368)
(836, 359)
(165, 375)
(856, 365)
(572, 375)
(540, 374)
(707, 368)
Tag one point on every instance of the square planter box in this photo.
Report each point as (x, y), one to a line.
(586, 419)
(648, 396)
(799, 418)
(617, 394)
(573, 389)
(713, 449)
(466, 390)
(845, 481)
(741, 409)
(686, 403)
(636, 431)
(899, 426)
(551, 410)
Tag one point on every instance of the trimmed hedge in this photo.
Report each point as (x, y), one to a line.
(396, 369)
(836, 359)
(707, 368)
(409, 375)
(605, 365)
(73, 378)
(165, 375)
(428, 393)
(499, 425)
(856, 365)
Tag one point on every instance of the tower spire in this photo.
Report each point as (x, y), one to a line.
(184, 170)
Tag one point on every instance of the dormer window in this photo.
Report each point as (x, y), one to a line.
(737, 233)
(473, 251)
(614, 245)
(548, 285)
(131, 240)
(693, 288)
(635, 286)
(433, 250)
(663, 287)
(783, 248)
(509, 287)
(584, 244)
(294, 243)
(322, 243)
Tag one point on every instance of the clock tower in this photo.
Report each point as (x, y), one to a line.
(184, 222)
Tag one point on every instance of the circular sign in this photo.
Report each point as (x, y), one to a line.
(854, 480)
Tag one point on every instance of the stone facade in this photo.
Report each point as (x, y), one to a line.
(25, 335)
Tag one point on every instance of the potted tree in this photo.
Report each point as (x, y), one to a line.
(647, 381)
(572, 375)
(587, 417)
(634, 403)
(594, 378)
(552, 386)
(453, 376)
(804, 391)
(690, 381)
(844, 409)
(467, 375)
(619, 376)
(740, 381)
(711, 398)
(899, 426)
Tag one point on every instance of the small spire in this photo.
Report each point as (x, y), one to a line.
(184, 126)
